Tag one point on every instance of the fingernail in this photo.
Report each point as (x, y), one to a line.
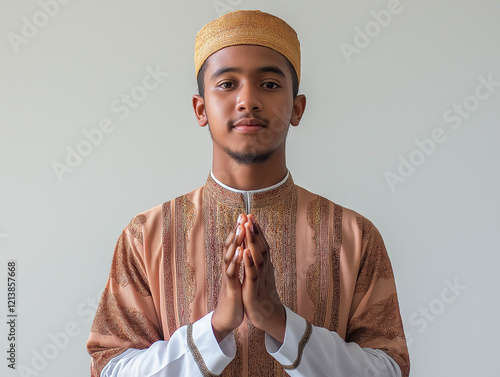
(250, 227)
(238, 231)
(252, 218)
(237, 253)
(249, 254)
(239, 219)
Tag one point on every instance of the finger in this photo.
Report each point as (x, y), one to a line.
(242, 218)
(230, 238)
(251, 275)
(259, 238)
(234, 266)
(253, 246)
(235, 242)
(270, 281)
(260, 233)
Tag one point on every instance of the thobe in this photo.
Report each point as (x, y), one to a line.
(332, 274)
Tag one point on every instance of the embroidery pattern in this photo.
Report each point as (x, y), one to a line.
(135, 227)
(381, 320)
(403, 360)
(100, 358)
(276, 212)
(221, 209)
(167, 267)
(335, 265)
(236, 365)
(185, 214)
(277, 207)
(112, 318)
(220, 212)
(317, 273)
(196, 353)
(125, 269)
(327, 261)
(278, 222)
(375, 263)
(128, 324)
(364, 225)
(302, 344)
(260, 363)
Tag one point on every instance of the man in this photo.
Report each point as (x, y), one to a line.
(249, 275)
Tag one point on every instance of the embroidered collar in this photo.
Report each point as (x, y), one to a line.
(252, 199)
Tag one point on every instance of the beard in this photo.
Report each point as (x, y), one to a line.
(246, 158)
(249, 158)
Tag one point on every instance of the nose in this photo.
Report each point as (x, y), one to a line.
(248, 98)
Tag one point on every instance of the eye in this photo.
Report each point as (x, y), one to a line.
(226, 85)
(270, 85)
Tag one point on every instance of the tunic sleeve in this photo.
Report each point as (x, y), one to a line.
(126, 317)
(126, 337)
(375, 320)
(315, 351)
(374, 344)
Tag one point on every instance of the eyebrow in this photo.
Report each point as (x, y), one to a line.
(270, 68)
(223, 70)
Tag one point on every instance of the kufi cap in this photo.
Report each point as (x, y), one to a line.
(247, 27)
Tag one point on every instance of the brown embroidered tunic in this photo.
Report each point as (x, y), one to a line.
(330, 264)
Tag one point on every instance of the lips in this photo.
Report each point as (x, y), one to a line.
(249, 125)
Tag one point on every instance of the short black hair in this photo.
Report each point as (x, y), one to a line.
(201, 76)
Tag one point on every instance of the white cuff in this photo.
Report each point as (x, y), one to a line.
(297, 334)
(215, 355)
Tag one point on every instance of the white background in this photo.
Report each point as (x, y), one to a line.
(364, 111)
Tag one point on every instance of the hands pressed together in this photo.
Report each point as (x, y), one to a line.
(256, 296)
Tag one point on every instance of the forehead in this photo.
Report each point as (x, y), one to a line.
(246, 57)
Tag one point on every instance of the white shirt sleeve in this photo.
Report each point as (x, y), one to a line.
(176, 357)
(315, 351)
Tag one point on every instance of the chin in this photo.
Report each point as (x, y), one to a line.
(249, 158)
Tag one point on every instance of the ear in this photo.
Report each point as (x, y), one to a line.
(299, 105)
(199, 110)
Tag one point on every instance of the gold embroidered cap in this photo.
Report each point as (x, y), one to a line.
(247, 27)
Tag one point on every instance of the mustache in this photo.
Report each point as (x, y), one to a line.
(232, 122)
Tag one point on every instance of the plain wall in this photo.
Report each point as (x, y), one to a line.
(430, 71)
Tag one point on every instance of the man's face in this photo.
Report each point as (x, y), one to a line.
(248, 102)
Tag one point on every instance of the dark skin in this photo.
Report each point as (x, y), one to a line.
(249, 105)
(251, 89)
(256, 296)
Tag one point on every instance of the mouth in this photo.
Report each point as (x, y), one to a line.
(249, 125)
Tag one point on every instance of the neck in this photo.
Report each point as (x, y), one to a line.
(252, 176)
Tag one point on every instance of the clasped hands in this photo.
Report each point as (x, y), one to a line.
(256, 295)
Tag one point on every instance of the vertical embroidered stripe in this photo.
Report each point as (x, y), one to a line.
(337, 243)
(317, 273)
(167, 268)
(219, 219)
(180, 250)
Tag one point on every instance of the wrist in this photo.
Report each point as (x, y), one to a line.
(276, 325)
(219, 332)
